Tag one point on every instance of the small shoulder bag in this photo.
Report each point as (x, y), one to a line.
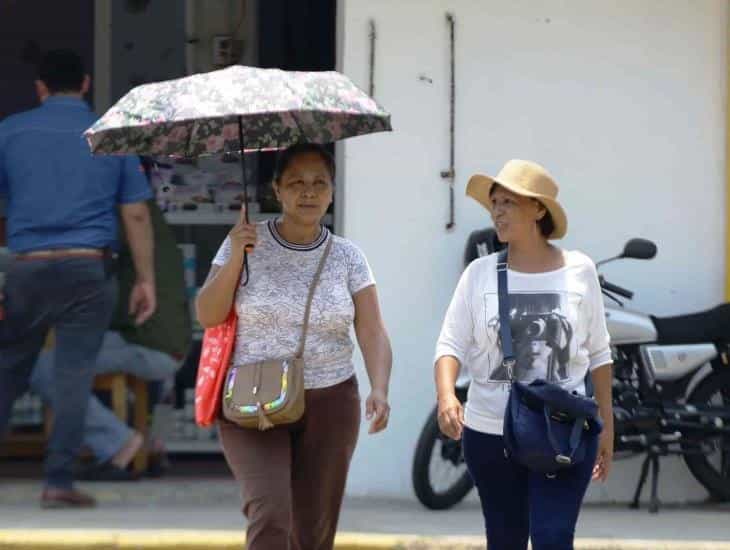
(269, 393)
(546, 428)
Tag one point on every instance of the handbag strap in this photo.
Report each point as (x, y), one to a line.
(505, 330)
(310, 296)
(574, 441)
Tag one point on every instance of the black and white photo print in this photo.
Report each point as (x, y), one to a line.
(541, 338)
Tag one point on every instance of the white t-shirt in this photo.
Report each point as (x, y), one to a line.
(271, 306)
(558, 331)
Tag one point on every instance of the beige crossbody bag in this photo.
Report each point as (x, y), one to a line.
(266, 394)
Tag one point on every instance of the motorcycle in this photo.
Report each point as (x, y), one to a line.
(671, 396)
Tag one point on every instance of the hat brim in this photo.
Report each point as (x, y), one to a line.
(480, 186)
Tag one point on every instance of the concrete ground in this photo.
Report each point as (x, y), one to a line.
(210, 504)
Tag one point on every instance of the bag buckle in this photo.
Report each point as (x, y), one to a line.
(509, 364)
(563, 460)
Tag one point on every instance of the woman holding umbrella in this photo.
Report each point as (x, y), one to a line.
(293, 476)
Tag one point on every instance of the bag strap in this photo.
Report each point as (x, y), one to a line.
(505, 330)
(312, 288)
(575, 436)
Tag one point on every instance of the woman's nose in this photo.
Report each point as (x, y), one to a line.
(308, 190)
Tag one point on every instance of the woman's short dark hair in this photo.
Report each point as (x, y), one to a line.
(285, 158)
(62, 71)
(545, 224)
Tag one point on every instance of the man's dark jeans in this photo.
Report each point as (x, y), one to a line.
(76, 296)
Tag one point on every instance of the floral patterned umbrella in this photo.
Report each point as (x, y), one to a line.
(236, 109)
(213, 112)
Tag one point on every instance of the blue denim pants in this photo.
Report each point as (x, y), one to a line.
(104, 433)
(76, 296)
(518, 504)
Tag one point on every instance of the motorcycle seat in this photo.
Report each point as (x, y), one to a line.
(712, 325)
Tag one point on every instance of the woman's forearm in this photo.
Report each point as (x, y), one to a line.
(378, 356)
(446, 372)
(215, 299)
(602, 378)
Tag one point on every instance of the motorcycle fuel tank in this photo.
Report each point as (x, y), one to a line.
(629, 327)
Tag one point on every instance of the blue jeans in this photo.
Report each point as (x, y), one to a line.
(517, 503)
(104, 434)
(75, 296)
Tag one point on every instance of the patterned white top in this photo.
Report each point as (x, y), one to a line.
(271, 306)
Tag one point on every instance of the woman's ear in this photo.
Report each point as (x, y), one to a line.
(275, 187)
(541, 210)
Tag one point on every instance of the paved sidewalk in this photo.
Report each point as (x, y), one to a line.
(206, 505)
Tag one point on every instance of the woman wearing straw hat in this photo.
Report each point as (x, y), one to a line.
(559, 335)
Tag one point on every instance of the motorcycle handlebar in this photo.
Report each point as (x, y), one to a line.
(616, 289)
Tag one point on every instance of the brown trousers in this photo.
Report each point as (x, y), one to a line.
(293, 477)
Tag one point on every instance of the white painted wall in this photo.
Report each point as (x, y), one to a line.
(624, 102)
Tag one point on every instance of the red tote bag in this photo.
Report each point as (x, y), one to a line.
(214, 359)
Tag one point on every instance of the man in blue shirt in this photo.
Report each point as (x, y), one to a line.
(61, 207)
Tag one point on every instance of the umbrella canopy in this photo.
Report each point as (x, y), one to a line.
(213, 112)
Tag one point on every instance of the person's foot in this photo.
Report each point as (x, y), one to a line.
(126, 454)
(65, 498)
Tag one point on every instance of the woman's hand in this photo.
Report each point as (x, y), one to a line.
(604, 459)
(451, 416)
(377, 410)
(243, 235)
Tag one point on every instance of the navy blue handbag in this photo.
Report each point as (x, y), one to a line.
(546, 428)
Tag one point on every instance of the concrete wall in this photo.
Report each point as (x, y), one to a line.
(623, 102)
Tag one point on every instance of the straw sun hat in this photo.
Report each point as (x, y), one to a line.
(527, 179)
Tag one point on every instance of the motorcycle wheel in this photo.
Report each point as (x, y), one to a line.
(440, 477)
(713, 470)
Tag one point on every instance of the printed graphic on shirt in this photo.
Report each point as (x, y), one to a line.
(541, 337)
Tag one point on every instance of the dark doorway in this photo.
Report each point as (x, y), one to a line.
(27, 29)
(297, 35)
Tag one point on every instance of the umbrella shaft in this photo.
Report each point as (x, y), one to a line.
(243, 167)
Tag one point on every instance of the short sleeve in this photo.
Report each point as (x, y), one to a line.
(457, 331)
(598, 340)
(133, 184)
(359, 273)
(224, 252)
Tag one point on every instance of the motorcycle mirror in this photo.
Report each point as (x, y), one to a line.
(639, 249)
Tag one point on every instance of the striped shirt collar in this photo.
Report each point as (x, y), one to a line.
(323, 234)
